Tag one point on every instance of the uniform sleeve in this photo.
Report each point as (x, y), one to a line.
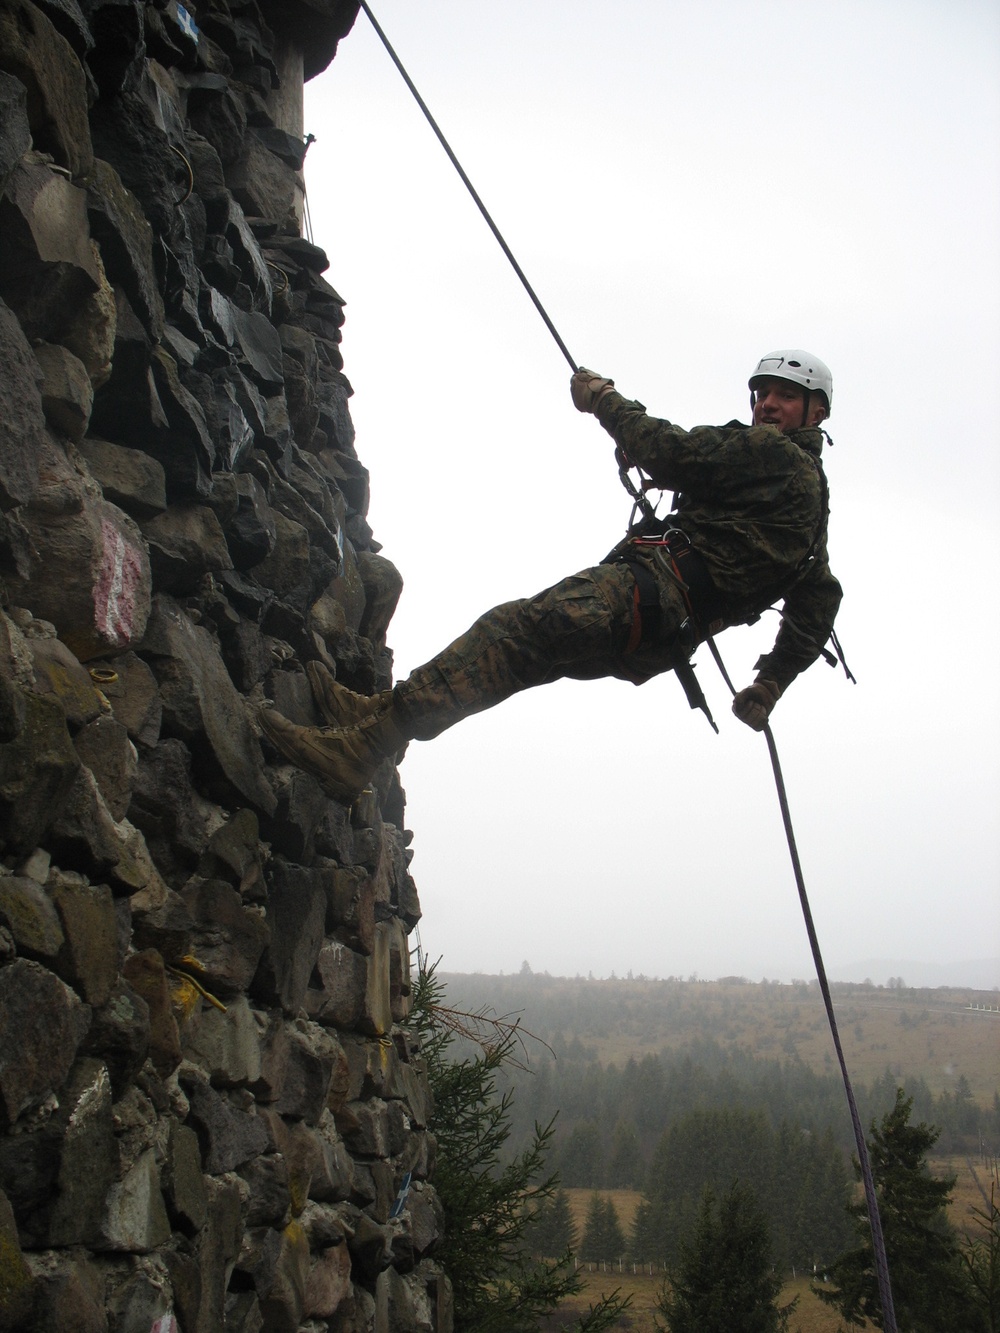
(672, 457)
(807, 618)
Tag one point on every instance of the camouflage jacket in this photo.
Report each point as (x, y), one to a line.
(751, 502)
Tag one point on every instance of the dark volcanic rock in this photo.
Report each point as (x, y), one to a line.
(15, 132)
(296, 911)
(228, 1136)
(48, 265)
(21, 409)
(88, 959)
(118, 225)
(186, 918)
(42, 1023)
(90, 572)
(119, 1033)
(146, 974)
(104, 747)
(227, 938)
(38, 768)
(130, 479)
(201, 703)
(165, 806)
(30, 915)
(34, 52)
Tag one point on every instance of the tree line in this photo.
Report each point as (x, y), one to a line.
(610, 1119)
(800, 1181)
(726, 1264)
(733, 1196)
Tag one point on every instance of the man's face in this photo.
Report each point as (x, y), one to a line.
(780, 403)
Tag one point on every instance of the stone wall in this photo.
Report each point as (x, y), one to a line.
(211, 1117)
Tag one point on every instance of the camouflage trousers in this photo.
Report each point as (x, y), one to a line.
(578, 628)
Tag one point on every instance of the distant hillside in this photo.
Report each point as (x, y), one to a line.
(928, 1034)
(982, 973)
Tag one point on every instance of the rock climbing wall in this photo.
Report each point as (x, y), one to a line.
(212, 1115)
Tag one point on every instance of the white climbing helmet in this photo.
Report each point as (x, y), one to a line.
(798, 366)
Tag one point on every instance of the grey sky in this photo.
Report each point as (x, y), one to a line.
(687, 187)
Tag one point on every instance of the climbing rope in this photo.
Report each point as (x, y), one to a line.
(641, 502)
(871, 1198)
(573, 365)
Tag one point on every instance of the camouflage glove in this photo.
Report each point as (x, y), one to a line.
(588, 388)
(753, 705)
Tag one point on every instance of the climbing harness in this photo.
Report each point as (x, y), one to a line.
(681, 565)
(645, 528)
(648, 615)
(645, 603)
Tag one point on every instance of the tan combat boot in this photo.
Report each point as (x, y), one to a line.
(340, 706)
(343, 758)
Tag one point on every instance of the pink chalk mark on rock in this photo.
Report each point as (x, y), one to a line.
(117, 581)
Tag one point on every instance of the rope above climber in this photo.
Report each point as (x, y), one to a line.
(747, 528)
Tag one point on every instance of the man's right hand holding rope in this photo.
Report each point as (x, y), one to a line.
(753, 705)
(588, 388)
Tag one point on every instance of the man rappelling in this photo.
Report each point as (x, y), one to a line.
(747, 529)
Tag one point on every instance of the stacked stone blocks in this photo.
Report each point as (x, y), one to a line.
(212, 1114)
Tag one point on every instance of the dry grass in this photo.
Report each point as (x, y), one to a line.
(965, 1196)
(938, 1035)
(930, 1034)
(625, 1202)
(810, 1316)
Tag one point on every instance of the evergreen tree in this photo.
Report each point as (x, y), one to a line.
(580, 1159)
(929, 1288)
(822, 1222)
(980, 1255)
(625, 1168)
(603, 1238)
(724, 1280)
(706, 1149)
(612, 1235)
(537, 1227)
(644, 1240)
(966, 1123)
(592, 1245)
(553, 1232)
(798, 1178)
(489, 1208)
(563, 1237)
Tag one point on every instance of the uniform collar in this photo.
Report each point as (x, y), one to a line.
(809, 438)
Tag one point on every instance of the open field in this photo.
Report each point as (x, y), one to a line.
(810, 1316)
(930, 1034)
(912, 1033)
(965, 1196)
(940, 1036)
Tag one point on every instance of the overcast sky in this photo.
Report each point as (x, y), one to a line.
(687, 187)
